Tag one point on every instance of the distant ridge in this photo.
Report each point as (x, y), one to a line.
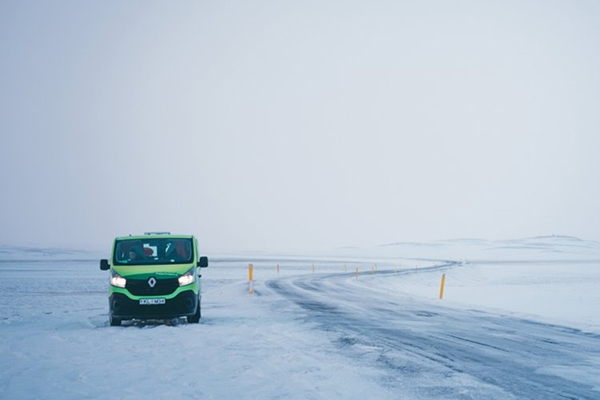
(542, 247)
(430, 244)
(42, 253)
(528, 240)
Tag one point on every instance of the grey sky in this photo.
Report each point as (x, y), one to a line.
(291, 125)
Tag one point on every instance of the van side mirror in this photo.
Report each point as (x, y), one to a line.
(203, 262)
(104, 266)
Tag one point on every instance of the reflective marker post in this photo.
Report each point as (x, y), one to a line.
(250, 273)
(442, 286)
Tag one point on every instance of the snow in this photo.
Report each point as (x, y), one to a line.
(316, 335)
(553, 292)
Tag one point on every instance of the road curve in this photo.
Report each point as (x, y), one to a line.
(434, 348)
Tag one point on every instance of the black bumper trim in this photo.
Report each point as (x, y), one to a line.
(122, 307)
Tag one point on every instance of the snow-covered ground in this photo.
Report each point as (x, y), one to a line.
(519, 319)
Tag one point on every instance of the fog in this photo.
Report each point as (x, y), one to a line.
(298, 125)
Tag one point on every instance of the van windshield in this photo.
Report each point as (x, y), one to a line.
(153, 251)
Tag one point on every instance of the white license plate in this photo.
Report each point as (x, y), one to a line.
(152, 302)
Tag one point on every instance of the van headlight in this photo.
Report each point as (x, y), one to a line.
(187, 278)
(117, 280)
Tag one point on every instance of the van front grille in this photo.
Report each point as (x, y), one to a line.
(143, 287)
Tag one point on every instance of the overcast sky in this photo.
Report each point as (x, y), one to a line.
(289, 125)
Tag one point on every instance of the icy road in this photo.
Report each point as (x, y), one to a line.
(502, 357)
(302, 335)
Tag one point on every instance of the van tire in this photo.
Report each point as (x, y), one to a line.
(114, 321)
(194, 319)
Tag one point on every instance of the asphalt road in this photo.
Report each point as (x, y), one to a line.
(445, 352)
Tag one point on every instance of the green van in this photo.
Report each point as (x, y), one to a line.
(154, 276)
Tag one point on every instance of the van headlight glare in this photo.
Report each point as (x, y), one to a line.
(117, 280)
(187, 278)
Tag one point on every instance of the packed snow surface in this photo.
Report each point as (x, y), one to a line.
(518, 319)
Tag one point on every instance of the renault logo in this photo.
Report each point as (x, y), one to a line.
(152, 282)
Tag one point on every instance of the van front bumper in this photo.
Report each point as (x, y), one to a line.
(184, 304)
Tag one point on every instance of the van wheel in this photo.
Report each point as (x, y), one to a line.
(194, 319)
(114, 321)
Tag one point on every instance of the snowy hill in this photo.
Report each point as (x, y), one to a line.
(534, 248)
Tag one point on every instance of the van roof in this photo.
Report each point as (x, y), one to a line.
(154, 235)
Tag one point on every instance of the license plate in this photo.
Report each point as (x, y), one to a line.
(152, 302)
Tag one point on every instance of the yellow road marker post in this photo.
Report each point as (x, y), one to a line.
(442, 286)
(250, 279)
